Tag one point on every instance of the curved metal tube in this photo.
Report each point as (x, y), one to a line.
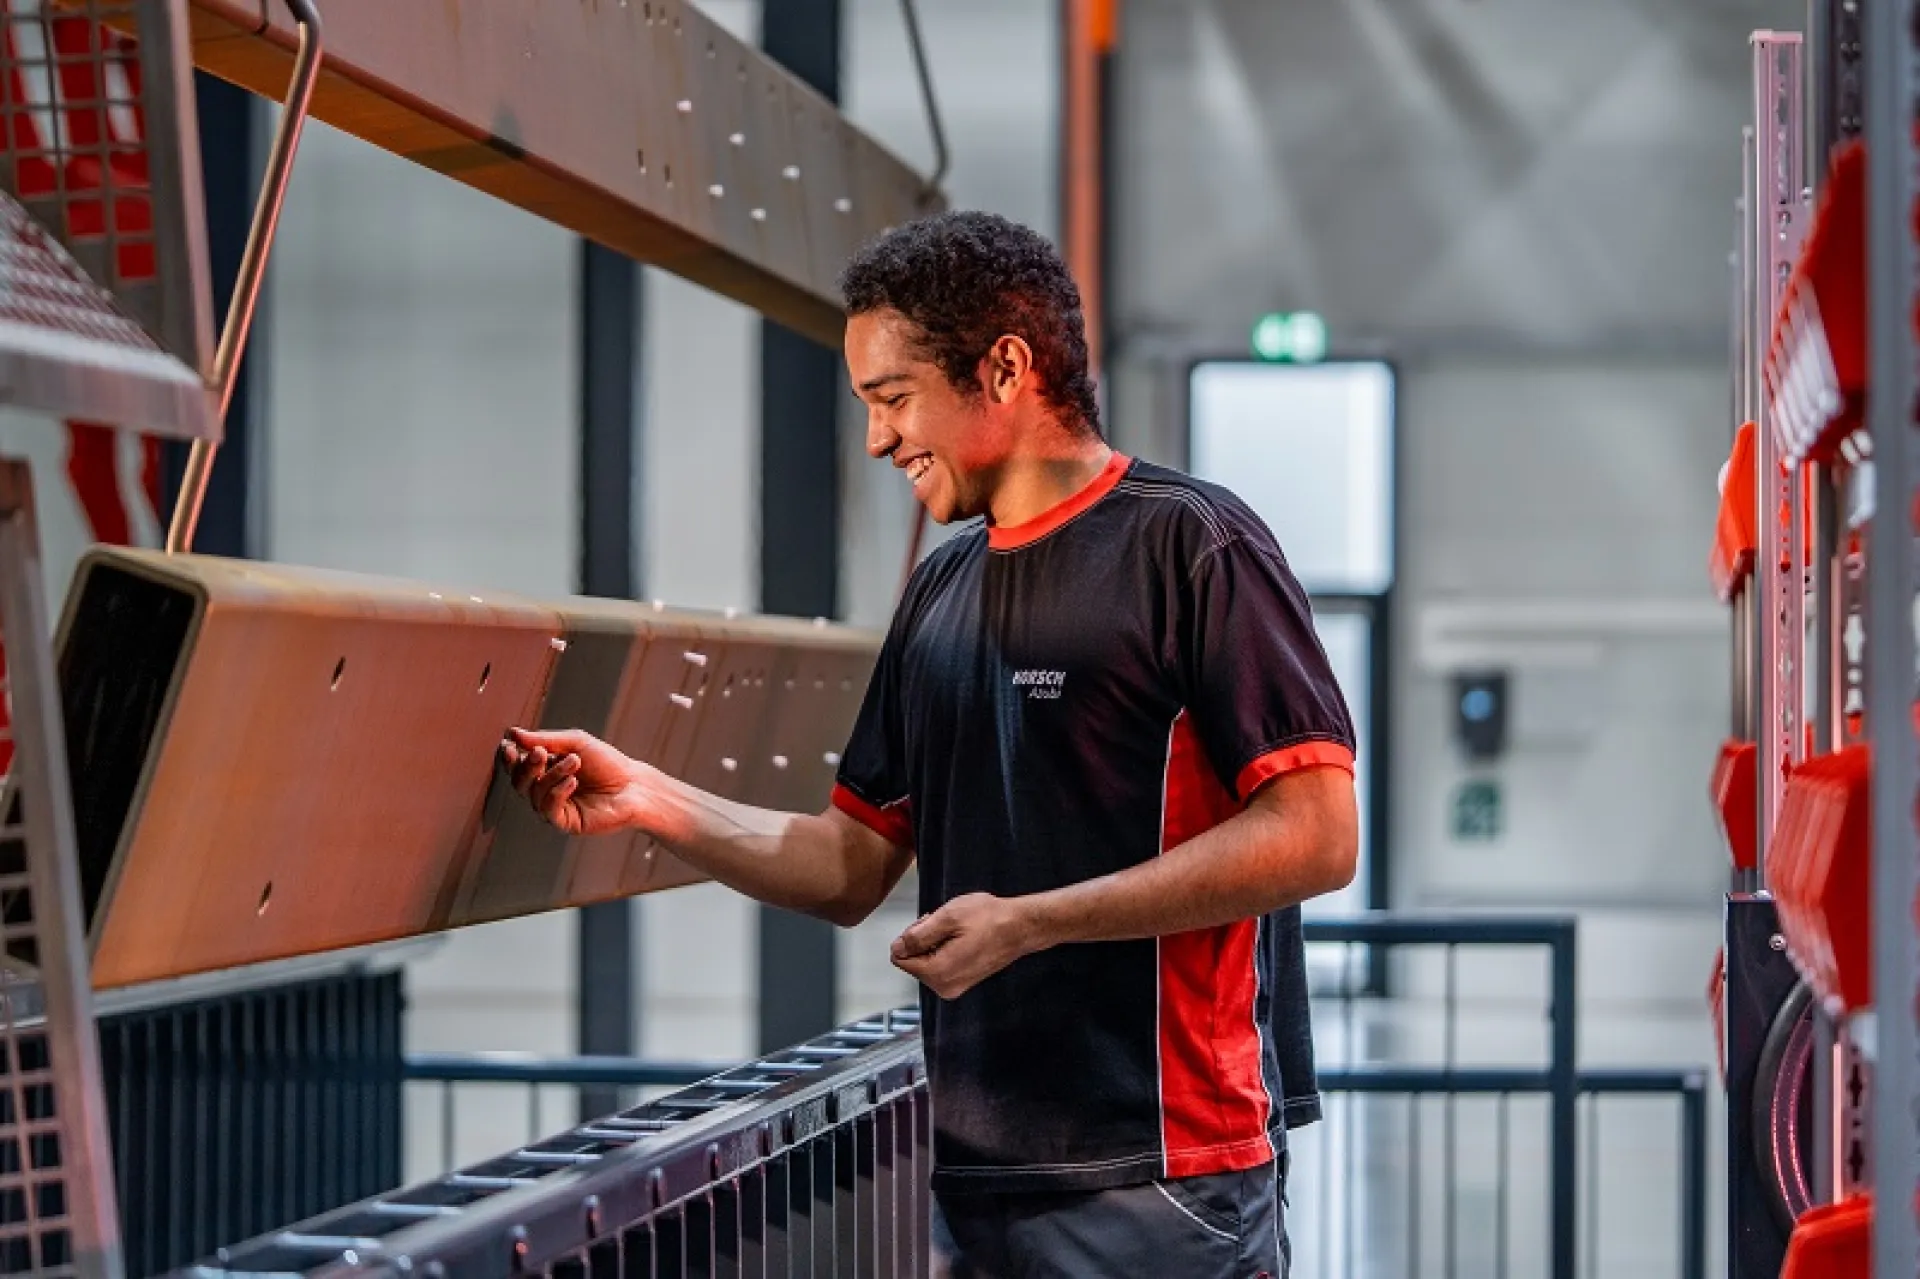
(941, 158)
(253, 268)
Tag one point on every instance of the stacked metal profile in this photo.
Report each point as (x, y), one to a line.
(1813, 550)
(812, 1161)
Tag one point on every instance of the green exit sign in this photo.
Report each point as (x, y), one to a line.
(1292, 337)
(1477, 816)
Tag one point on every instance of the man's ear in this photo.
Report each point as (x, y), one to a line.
(1007, 369)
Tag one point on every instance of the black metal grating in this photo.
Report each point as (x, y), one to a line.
(810, 1161)
(35, 1236)
(235, 1115)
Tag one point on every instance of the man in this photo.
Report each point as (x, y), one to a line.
(1103, 723)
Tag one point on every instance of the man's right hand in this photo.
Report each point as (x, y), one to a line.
(575, 781)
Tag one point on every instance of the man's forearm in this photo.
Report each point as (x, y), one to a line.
(793, 860)
(1255, 862)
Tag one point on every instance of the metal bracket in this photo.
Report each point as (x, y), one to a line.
(1777, 204)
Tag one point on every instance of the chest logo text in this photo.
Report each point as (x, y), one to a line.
(1045, 685)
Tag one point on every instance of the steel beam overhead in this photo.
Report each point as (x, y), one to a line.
(639, 124)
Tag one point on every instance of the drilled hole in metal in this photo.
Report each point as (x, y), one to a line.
(339, 669)
(266, 895)
(486, 673)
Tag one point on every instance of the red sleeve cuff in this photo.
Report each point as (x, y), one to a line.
(1291, 759)
(893, 823)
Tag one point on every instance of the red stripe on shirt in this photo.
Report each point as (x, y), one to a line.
(1011, 537)
(1291, 759)
(1214, 1105)
(894, 823)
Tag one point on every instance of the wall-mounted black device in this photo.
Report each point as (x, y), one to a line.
(1480, 713)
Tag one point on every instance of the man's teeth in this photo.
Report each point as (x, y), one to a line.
(919, 467)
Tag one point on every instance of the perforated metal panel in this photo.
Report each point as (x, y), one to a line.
(104, 296)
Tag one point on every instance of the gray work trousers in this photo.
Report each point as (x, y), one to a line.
(1221, 1226)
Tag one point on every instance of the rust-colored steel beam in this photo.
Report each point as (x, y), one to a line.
(273, 762)
(640, 124)
(1088, 31)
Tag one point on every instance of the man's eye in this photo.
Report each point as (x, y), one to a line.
(893, 401)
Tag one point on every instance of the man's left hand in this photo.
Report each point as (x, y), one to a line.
(965, 942)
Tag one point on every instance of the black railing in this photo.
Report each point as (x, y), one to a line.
(1690, 1086)
(1380, 937)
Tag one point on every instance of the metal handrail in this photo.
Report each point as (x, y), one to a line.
(1394, 928)
(518, 1068)
(1559, 935)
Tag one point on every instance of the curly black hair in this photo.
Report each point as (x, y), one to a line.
(965, 279)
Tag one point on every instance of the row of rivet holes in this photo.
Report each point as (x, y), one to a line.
(791, 173)
(685, 106)
(831, 758)
(678, 699)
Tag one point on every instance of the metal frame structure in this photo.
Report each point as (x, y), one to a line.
(56, 1173)
(1892, 77)
(1826, 669)
(1776, 208)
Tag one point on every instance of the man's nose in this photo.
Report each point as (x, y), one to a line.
(881, 438)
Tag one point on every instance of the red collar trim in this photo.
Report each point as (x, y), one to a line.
(1013, 536)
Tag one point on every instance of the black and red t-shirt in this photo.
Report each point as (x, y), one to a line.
(1063, 700)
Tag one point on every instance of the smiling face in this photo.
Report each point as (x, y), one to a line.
(950, 442)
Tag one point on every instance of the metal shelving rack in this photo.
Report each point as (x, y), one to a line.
(1891, 45)
(1827, 339)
